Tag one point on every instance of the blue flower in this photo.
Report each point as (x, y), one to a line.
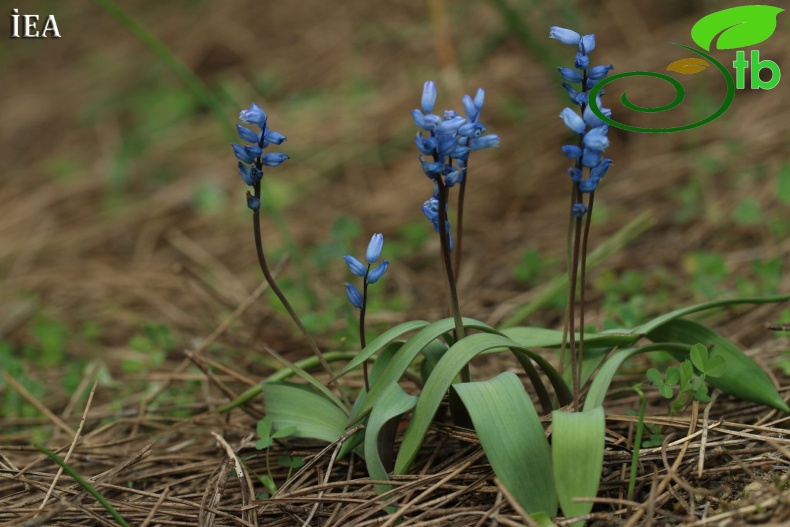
(582, 60)
(253, 202)
(566, 36)
(588, 185)
(428, 96)
(378, 272)
(487, 141)
(570, 74)
(596, 138)
(354, 296)
(374, 248)
(251, 157)
(599, 170)
(250, 175)
(355, 266)
(599, 72)
(573, 121)
(274, 159)
(247, 154)
(592, 130)
(587, 44)
(254, 115)
(246, 134)
(572, 151)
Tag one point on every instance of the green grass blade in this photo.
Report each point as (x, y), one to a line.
(513, 439)
(437, 385)
(85, 484)
(682, 312)
(577, 443)
(314, 416)
(394, 402)
(283, 373)
(187, 76)
(742, 377)
(409, 352)
(380, 343)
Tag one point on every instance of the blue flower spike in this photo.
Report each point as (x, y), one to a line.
(251, 157)
(591, 129)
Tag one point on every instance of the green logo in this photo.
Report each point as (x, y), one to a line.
(737, 27)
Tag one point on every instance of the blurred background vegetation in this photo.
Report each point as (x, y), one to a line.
(124, 235)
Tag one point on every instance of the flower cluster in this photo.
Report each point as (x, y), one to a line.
(368, 276)
(251, 157)
(591, 129)
(448, 142)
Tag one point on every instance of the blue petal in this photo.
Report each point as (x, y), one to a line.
(428, 96)
(579, 210)
(374, 248)
(428, 122)
(480, 99)
(246, 134)
(588, 185)
(566, 36)
(247, 154)
(572, 151)
(274, 159)
(254, 115)
(472, 130)
(599, 72)
(253, 202)
(469, 107)
(378, 272)
(245, 173)
(355, 266)
(570, 74)
(573, 121)
(424, 145)
(275, 138)
(587, 44)
(451, 126)
(591, 157)
(599, 170)
(581, 61)
(596, 138)
(575, 174)
(592, 119)
(353, 295)
(486, 141)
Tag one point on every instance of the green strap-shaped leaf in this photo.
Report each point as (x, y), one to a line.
(307, 410)
(600, 384)
(442, 377)
(740, 27)
(381, 342)
(513, 439)
(406, 355)
(577, 443)
(394, 402)
(742, 377)
(550, 338)
(688, 310)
